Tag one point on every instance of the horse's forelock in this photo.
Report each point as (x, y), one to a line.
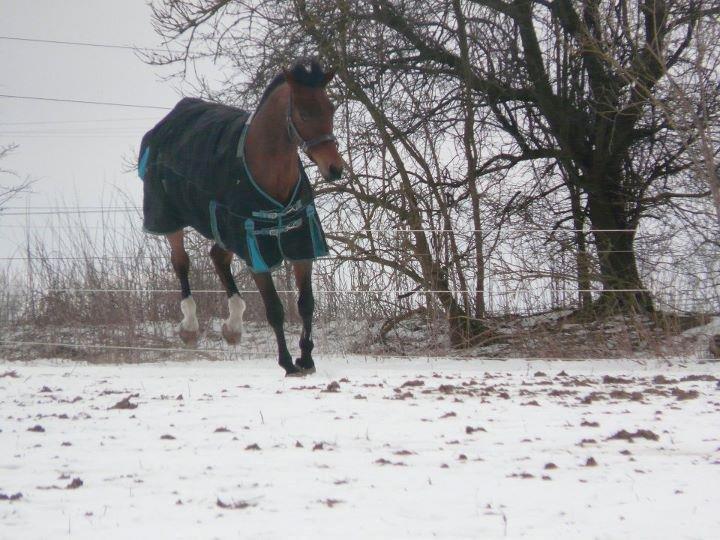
(308, 72)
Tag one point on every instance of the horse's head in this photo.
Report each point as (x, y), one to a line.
(310, 117)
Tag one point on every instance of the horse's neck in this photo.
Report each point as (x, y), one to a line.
(271, 158)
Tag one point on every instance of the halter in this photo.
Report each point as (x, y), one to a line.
(295, 136)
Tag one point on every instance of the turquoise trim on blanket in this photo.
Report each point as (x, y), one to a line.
(214, 224)
(142, 165)
(258, 264)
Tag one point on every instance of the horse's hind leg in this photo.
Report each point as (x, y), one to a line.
(276, 318)
(232, 328)
(189, 326)
(306, 308)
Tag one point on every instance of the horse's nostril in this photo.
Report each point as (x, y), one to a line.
(335, 172)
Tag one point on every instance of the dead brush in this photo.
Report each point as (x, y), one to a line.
(102, 281)
(109, 286)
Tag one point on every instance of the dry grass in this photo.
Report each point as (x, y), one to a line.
(108, 290)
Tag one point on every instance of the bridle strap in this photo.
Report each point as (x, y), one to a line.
(296, 138)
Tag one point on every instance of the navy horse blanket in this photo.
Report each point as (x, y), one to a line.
(195, 175)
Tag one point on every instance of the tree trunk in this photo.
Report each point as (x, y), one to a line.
(614, 235)
(470, 148)
(464, 330)
(582, 257)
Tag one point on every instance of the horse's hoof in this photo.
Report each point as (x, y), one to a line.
(292, 371)
(189, 337)
(306, 369)
(231, 337)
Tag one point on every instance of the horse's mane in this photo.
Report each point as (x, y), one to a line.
(312, 77)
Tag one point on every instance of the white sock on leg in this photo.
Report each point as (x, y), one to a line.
(236, 307)
(189, 309)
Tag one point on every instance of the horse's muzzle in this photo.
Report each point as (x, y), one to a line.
(334, 173)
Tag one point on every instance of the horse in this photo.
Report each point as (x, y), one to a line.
(237, 179)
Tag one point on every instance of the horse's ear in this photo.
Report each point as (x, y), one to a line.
(328, 76)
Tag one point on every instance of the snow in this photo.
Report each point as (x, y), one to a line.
(373, 459)
(707, 330)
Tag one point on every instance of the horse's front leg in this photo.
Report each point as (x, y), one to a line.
(306, 308)
(189, 328)
(232, 328)
(276, 317)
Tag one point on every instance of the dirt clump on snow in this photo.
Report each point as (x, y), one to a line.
(332, 387)
(76, 483)
(523, 475)
(125, 403)
(609, 379)
(693, 378)
(682, 395)
(622, 394)
(234, 505)
(383, 461)
(624, 435)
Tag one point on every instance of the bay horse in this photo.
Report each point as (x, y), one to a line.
(237, 179)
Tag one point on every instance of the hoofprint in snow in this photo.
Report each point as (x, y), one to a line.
(365, 448)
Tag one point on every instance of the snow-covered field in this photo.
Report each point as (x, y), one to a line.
(365, 448)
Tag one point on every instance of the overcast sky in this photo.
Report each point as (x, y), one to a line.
(75, 151)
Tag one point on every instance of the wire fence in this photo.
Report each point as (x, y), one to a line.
(388, 290)
(66, 275)
(20, 211)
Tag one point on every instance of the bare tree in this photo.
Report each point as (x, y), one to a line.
(587, 73)
(11, 185)
(463, 117)
(693, 110)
